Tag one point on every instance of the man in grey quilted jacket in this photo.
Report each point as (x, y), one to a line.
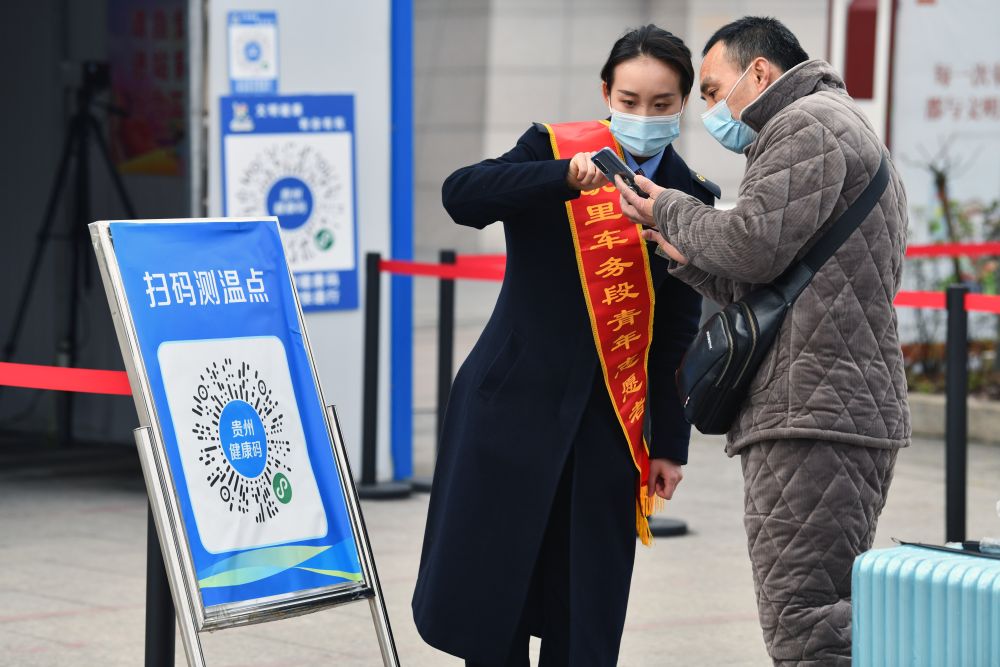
(827, 412)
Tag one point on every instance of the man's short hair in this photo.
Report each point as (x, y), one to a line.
(756, 37)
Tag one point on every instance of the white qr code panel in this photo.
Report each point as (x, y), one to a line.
(241, 442)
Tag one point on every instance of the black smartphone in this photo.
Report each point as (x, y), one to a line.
(611, 165)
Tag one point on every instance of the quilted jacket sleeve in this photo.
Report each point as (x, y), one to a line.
(788, 192)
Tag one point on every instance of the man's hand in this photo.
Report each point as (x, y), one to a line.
(657, 238)
(664, 476)
(635, 207)
(583, 174)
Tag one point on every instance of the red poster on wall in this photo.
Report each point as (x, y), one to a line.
(149, 76)
(946, 105)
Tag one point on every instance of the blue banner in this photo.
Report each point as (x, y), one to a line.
(241, 417)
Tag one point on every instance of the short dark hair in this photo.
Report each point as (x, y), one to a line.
(759, 36)
(655, 42)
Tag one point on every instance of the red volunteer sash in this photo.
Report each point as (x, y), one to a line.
(614, 273)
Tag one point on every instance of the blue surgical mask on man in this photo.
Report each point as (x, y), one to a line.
(731, 133)
(645, 136)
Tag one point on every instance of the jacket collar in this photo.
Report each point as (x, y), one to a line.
(811, 76)
(651, 164)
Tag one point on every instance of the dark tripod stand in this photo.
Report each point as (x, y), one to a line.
(82, 128)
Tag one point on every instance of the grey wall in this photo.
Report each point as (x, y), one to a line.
(487, 69)
(451, 39)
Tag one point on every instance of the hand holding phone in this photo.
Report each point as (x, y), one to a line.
(611, 165)
(583, 174)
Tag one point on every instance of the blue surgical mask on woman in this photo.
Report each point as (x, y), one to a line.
(645, 136)
(731, 133)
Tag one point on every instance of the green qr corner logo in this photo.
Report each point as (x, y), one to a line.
(324, 239)
(282, 488)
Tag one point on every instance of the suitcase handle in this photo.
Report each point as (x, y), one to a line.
(968, 549)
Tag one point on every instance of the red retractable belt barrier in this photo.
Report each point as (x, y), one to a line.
(490, 268)
(974, 303)
(468, 267)
(953, 250)
(60, 378)
(933, 300)
(982, 303)
(446, 271)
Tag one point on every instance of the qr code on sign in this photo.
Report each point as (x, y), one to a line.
(241, 442)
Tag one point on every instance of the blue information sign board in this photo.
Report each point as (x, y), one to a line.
(253, 52)
(238, 407)
(292, 157)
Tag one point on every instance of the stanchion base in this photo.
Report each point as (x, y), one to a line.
(421, 484)
(385, 491)
(667, 527)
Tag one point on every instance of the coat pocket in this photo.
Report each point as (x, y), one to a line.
(499, 370)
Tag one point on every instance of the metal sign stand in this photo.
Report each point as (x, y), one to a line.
(168, 522)
(159, 623)
(380, 616)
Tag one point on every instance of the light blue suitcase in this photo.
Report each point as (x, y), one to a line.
(922, 607)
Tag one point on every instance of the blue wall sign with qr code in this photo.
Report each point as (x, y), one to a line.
(253, 52)
(292, 157)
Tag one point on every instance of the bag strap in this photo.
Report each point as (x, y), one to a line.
(794, 280)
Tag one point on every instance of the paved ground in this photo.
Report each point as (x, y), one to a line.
(72, 555)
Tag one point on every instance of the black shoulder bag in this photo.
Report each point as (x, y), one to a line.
(719, 365)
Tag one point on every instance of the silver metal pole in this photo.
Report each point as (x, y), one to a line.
(182, 601)
(380, 616)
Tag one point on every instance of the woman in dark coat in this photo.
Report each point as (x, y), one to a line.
(533, 515)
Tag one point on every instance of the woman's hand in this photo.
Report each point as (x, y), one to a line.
(664, 476)
(583, 174)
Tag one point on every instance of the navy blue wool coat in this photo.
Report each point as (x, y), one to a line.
(515, 413)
